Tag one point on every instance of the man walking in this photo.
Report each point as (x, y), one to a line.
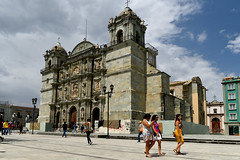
(74, 128)
(5, 124)
(89, 131)
(64, 126)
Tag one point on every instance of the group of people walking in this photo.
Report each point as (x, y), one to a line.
(6, 127)
(151, 133)
(76, 128)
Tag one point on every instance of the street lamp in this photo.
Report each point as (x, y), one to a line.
(109, 96)
(34, 101)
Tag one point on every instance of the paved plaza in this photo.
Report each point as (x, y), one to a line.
(49, 147)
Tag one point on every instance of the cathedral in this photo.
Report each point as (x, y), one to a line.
(72, 82)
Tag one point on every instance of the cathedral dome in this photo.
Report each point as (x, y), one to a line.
(58, 47)
(127, 11)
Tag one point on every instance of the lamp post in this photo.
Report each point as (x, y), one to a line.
(109, 93)
(34, 101)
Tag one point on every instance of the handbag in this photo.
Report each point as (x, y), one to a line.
(174, 135)
(141, 129)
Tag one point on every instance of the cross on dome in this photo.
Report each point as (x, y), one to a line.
(127, 2)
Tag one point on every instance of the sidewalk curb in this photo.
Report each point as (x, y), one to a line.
(132, 137)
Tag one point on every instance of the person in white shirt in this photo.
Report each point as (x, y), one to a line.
(148, 134)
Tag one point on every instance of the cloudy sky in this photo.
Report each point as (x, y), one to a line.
(194, 38)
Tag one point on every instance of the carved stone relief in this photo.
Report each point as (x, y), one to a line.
(60, 75)
(98, 84)
(64, 115)
(59, 93)
(75, 90)
(98, 64)
(76, 70)
(66, 95)
(82, 113)
(84, 89)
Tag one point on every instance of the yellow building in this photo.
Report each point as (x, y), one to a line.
(194, 93)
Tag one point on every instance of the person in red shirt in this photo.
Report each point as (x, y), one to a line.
(9, 128)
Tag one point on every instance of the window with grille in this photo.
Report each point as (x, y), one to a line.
(233, 116)
(231, 96)
(232, 106)
(231, 86)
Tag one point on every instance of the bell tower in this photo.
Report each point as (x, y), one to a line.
(50, 79)
(127, 26)
(125, 59)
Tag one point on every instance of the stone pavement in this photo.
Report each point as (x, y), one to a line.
(195, 138)
(49, 147)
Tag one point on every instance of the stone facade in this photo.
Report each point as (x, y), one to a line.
(72, 82)
(193, 93)
(215, 117)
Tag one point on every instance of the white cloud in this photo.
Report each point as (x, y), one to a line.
(182, 65)
(222, 31)
(234, 45)
(202, 37)
(30, 28)
(191, 35)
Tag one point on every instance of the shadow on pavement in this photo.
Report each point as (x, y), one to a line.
(6, 140)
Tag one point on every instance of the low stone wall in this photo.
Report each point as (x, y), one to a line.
(192, 128)
(132, 127)
(127, 127)
(188, 127)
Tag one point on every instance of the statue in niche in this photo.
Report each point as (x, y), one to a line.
(60, 93)
(84, 89)
(82, 113)
(61, 75)
(66, 93)
(64, 115)
(98, 64)
(75, 90)
(76, 70)
(97, 84)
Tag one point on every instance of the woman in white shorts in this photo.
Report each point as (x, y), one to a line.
(148, 134)
(157, 134)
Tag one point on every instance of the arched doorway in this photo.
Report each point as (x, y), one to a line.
(119, 36)
(73, 116)
(216, 125)
(57, 119)
(96, 114)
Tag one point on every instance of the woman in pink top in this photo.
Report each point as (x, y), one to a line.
(157, 134)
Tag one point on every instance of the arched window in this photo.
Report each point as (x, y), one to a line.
(120, 36)
(137, 37)
(49, 64)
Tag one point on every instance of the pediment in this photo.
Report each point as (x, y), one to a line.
(82, 46)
